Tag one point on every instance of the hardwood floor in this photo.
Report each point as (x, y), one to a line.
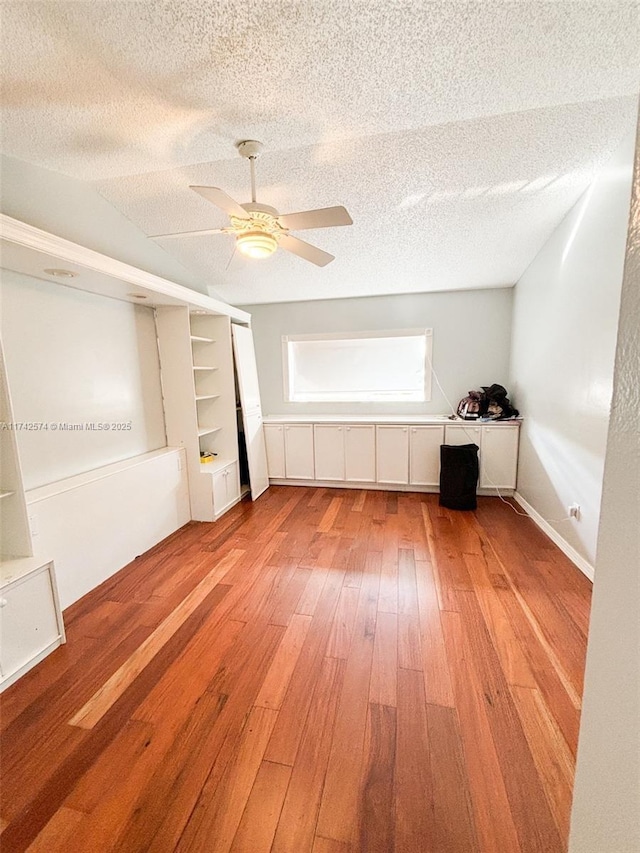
(322, 671)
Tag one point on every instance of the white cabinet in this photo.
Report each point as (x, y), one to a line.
(388, 455)
(226, 488)
(499, 457)
(274, 442)
(392, 454)
(298, 452)
(360, 454)
(30, 619)
(329, 451)
(463, 434)
(424, 455)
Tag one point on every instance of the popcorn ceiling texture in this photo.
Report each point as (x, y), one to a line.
(457, 134)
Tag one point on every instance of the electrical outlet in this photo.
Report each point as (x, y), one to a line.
(574, 511)
(33, 525)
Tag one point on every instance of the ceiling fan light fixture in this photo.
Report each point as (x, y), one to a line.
(256, 244)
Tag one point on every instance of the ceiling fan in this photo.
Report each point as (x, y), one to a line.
(259, 229)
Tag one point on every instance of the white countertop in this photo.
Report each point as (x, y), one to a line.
(377, 419)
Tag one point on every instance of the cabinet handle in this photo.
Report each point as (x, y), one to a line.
(348, 429)
(3, 602)
(413, 430)
(404, 429)
(339, 429)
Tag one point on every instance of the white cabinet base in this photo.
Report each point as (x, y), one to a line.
(386, 456)
(226, 489)
(31, 623)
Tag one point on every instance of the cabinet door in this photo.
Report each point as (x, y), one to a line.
(219, 491)
(328, 442)
(256, 454)
(233, 483)
(28, 621)
(499, 462)
(298, 451)
(247, 374)
(360, 454)
(392, 454)
(424, 455)
(226, 487)
(274, 442)
(463, 434)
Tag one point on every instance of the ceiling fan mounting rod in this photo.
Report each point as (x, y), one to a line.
(251, 148)
(252, 164)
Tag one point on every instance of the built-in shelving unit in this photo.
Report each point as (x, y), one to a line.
(31, 621)
(15, 537)
(197, 379)
(200, 400)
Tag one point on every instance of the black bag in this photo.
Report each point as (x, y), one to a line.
(491, 403)
(458, 476)
(498, 405)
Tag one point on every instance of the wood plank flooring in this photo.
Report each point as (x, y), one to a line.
(323, 671)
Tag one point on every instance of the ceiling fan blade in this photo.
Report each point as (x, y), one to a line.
(305, 250)
(219, 197)
(324, 217)
(191, 233)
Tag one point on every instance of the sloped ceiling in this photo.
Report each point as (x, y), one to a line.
(458, 134)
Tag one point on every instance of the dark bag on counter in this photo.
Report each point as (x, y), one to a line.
(491, 403)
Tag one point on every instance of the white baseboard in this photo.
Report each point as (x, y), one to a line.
(585, 567)
(381, 487)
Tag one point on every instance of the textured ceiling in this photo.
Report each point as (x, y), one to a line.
(458, 134)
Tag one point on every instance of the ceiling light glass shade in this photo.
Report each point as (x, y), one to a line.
(257, 244)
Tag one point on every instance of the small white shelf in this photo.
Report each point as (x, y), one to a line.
(208, 397)
(6, 494)
(200, 340)
(202, 367)
(208, 430)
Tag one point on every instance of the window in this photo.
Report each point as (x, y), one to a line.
(389, 366)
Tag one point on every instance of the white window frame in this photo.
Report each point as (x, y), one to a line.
(342, 336)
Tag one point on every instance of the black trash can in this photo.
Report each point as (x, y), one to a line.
(458, 476)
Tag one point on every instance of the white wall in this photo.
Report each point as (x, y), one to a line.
(565, 320)
(471, 339)
(74, 357)
(606, 806)
(75, 210)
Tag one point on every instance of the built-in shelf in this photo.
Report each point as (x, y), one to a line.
(6, 494)
(199, 404)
